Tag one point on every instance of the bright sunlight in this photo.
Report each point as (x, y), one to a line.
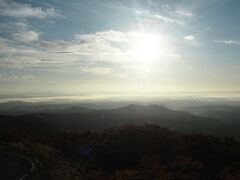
(147, 48)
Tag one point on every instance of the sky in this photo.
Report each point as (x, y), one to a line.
(53, 47)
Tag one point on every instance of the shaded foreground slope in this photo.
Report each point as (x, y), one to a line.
(29, 125)
(129, 152)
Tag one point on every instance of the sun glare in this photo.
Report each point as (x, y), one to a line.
(146, 47)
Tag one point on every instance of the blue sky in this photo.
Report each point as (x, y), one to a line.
(92, 46)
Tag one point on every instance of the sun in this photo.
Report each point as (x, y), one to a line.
(146, 47)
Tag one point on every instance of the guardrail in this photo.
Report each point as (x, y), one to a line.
(28, 163)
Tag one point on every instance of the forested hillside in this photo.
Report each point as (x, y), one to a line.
(128, 152)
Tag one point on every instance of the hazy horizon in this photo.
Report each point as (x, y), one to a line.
(101, 100)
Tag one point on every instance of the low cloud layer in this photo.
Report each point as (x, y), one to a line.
(105, 46)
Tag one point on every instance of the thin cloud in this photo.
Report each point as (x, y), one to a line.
(97, 70)
(14, 9)
(26, 36)
(184, 13)
(17, 78)
(110, 35)
(23, 77)
(149, 15)
(228, 42)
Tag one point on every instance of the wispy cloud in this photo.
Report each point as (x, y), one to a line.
(23, 77)
(15, 9)
(26, 36)
(19, 31)
(16, 77)
(97, 70)
(85, 49)
(228, 42)
(192, 40)
(110, 35)
(184, 13)
(149, 15)
(89, 52)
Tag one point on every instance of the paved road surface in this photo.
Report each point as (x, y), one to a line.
(14, 166)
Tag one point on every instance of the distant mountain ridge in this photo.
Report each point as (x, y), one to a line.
(224, 113)
(131, 114)
(76, 118)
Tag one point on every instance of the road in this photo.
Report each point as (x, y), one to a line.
(14, 166)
